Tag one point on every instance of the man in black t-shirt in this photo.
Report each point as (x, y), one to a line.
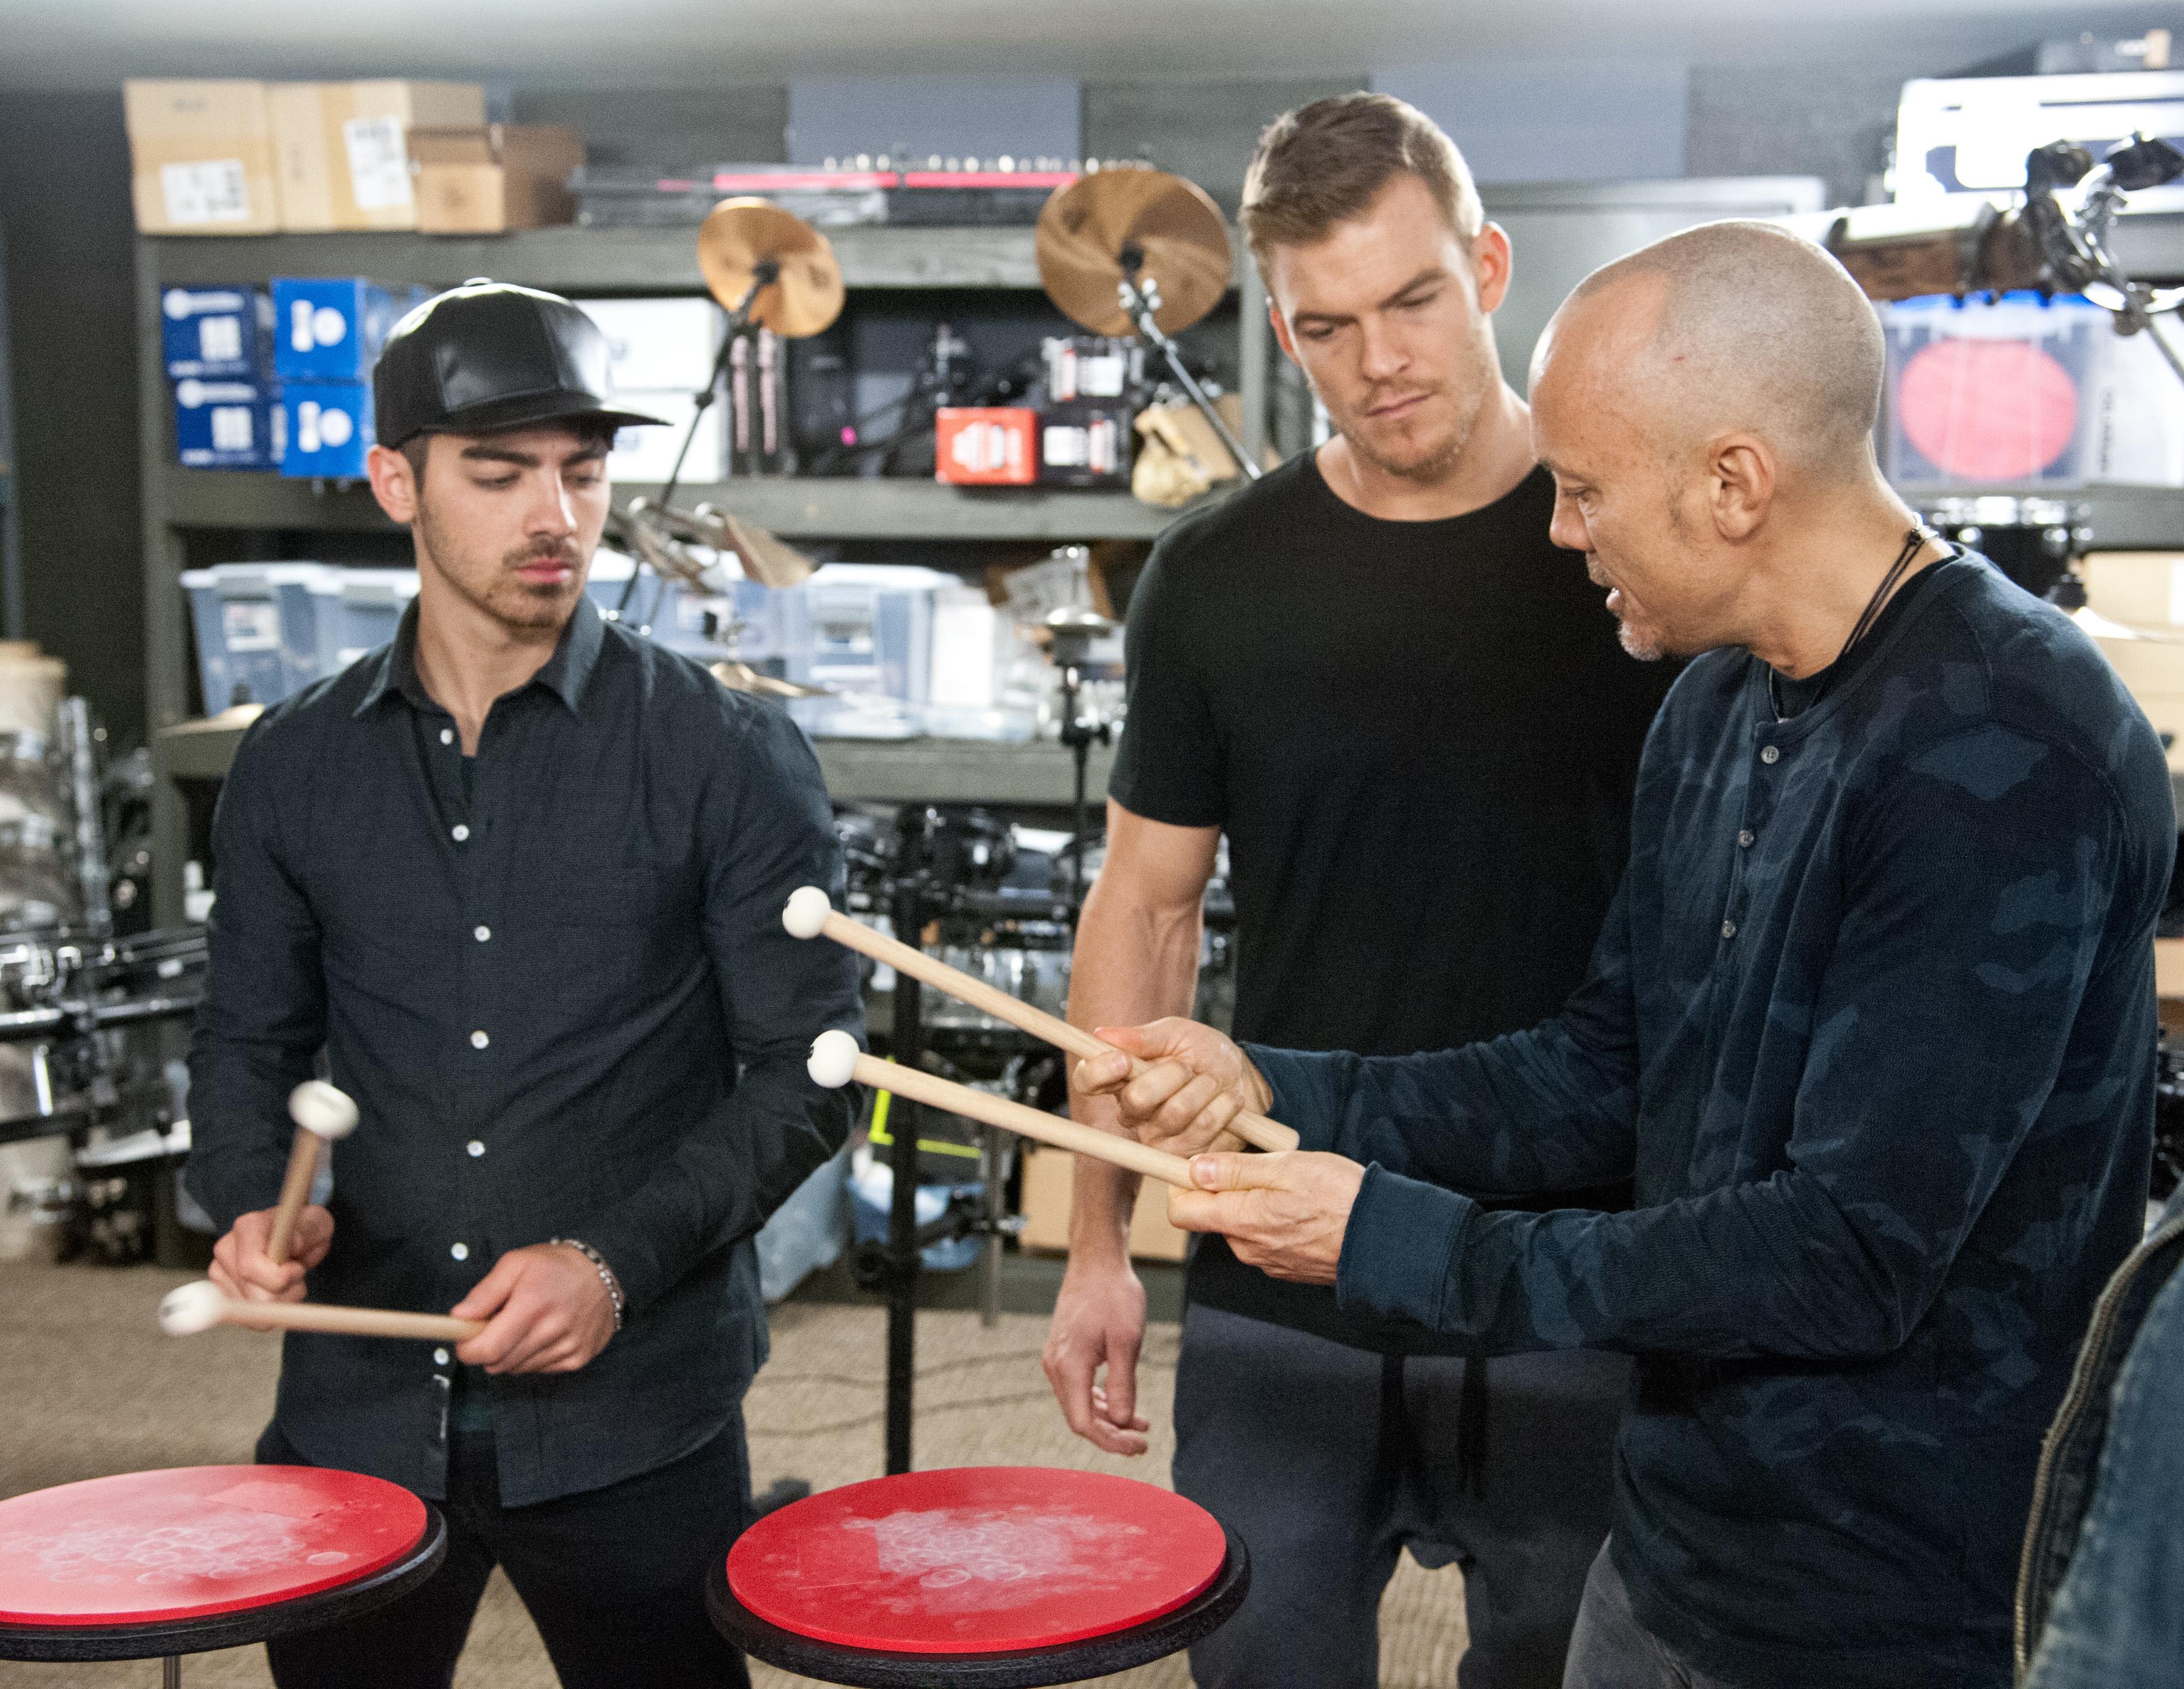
(1407, 710)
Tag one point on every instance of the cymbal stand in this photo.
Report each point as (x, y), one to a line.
(764, 274)
(1139, 296)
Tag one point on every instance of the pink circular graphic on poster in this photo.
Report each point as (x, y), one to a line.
(1987, 409)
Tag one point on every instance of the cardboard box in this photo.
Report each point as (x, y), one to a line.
(2138, 588)
(343, 148)
(330, 328)
(217, 333)
(658, 345)
(329, 429)
(986, 446)
(201, 158)
(484, 180)
(1047, 1188)
(647, 452)
(228, 424)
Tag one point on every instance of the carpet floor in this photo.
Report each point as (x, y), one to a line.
(91, 1388)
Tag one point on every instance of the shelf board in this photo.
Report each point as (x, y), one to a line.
(794, 508)
(857, 771)
(574, 260)
(2121, 518)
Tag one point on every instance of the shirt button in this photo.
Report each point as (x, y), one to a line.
(475, 1148)
(479, 1041)
(447, 736)
(1744, 839)
(439, 1358)
(1770, 754)
(461, 1251)
(1728, 929)
(481, 933)
(458, 832)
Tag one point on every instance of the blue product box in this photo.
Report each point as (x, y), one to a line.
(330, 328)
(228, 425)
(329, 429)
(226, 332)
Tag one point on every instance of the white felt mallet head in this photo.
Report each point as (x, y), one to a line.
(833, 1059)
(806, 912)
(188, 1309)
(322, 1111)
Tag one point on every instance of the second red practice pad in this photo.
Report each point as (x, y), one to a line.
(195, 1540)
(976, 1559)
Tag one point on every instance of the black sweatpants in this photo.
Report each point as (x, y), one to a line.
(614, 1578)
(1289, 1441)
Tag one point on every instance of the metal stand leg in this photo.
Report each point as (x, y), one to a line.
(171, 1672)
(902, 1215)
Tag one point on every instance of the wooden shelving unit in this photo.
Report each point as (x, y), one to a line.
(258, 514)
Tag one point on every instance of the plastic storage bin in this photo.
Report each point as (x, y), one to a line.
(372, 601)
(264, 630)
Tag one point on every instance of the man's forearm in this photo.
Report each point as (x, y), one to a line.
(1132, 965)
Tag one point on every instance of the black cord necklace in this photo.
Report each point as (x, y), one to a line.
(1914, 541)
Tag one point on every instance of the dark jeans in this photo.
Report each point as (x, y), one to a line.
(1286, 1439)
(1612, 1650)
(614, 1578)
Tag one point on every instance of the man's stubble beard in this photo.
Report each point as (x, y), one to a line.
(516, 604)
(1475, 380)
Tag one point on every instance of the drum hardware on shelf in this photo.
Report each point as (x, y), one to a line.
(1898, 251)
(1140, 252)
(2034, 541)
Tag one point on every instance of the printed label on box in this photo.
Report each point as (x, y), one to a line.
(251, 625)
(219, 339)
(231, 428)
(378, 162)
(213, 191)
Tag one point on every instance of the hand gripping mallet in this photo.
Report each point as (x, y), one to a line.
(199, 1307)
(808, 915)
(322, 1114)
(836, 1060)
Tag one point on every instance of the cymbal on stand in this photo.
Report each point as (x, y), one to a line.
(738, 235)
(1085, 228)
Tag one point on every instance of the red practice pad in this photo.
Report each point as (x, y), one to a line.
(978, 1559)
(195, 1540)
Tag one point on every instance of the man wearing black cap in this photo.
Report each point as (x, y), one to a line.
(520, 874)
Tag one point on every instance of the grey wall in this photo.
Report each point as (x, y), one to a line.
(1203, 131)
(1835, 122)
(71, 287)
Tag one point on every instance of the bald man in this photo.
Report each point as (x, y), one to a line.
(1869, 1023)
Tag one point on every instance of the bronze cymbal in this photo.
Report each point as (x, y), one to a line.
(738, 235)
(1085, 228)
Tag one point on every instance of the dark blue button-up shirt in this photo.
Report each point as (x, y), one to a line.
(1872, 1024)
(554, 979)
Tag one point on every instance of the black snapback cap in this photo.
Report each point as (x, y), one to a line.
(488, 356)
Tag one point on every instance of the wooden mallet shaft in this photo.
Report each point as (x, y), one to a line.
(321, 1114)
(200, 1306)
(935, 1092)
(1255, 1129)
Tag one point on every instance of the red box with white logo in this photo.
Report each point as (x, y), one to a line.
(986, 446)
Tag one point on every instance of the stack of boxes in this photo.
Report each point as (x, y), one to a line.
(327, 332)
(243, 158)
(280, 381)
(219, 350)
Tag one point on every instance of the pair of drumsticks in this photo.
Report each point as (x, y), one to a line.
(323, 1114)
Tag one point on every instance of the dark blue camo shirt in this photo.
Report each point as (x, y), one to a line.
(1872, 1021)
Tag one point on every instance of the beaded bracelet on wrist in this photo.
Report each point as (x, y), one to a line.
(606, 1275)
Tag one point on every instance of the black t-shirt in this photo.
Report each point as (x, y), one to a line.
(1420, 739)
